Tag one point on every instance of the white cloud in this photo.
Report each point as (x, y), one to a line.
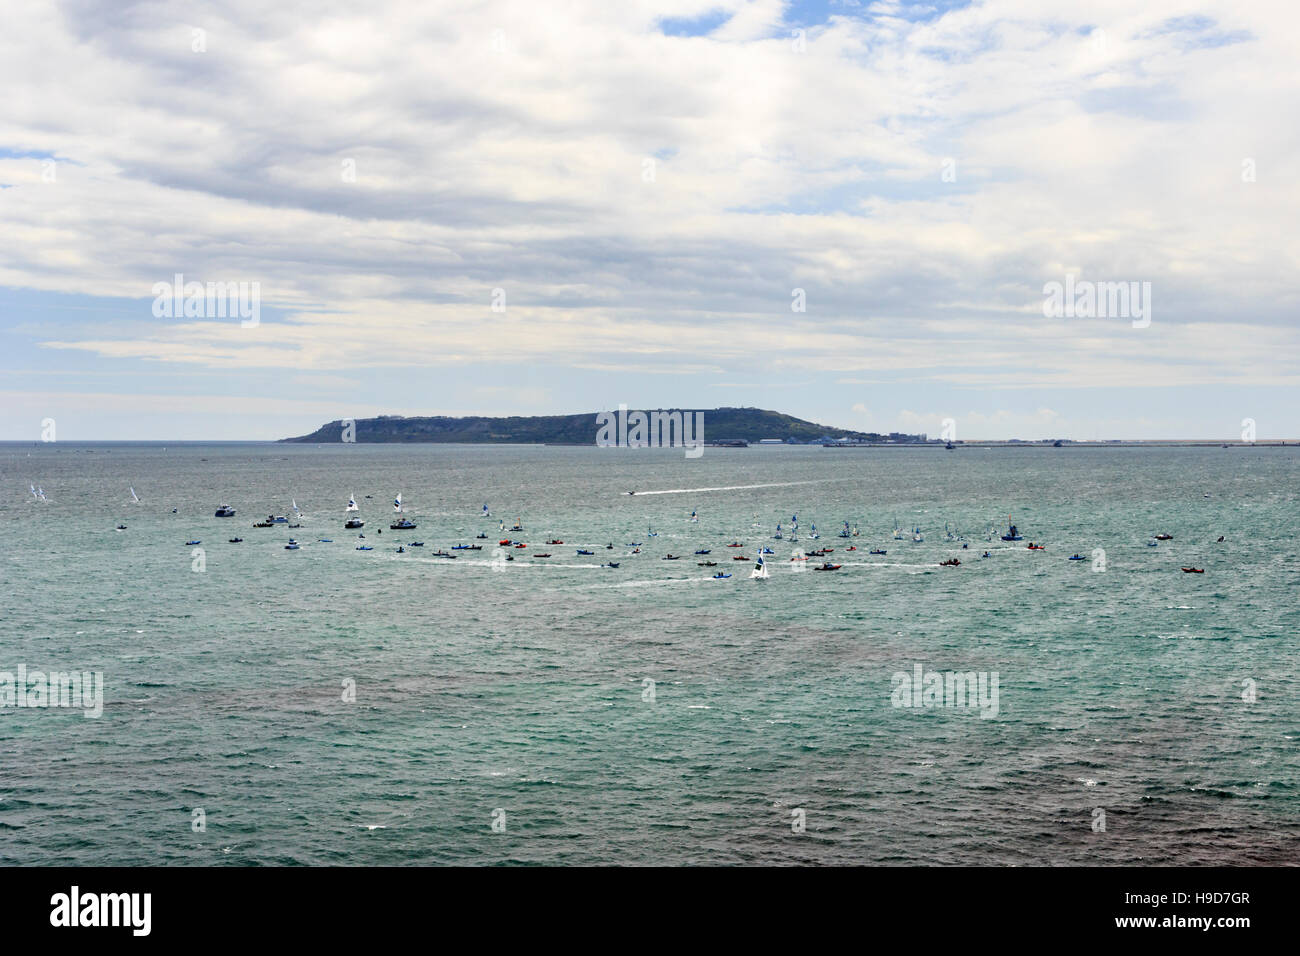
(522, 169)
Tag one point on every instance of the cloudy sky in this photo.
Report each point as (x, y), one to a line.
(647, 184)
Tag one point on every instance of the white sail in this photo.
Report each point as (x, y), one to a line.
(352, 503)
(760, 569)
(134, 497)
(397, 502)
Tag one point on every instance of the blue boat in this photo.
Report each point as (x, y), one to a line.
(703, 551)
(1013, 534)
(719, 576)
(188, 543)
(580, 551)
(364, 547)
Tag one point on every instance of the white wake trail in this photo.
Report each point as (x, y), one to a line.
(774, 484)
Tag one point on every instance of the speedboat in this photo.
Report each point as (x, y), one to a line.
(583, 551)
(402, 524)
(739, 557)
(827, 567)
(735, 544)
(611, 564)
(480, 535)
(707, 564)
(854, 548)
(448, 554)
(1076, 557)
(1164, 537)
(364, 547)
(950, 563)
(555, 541)
(666, 557)
(720, 576)
(225, 511)
(416, 544)
(292, 545)
(121, 527)
(1036, 547)
(547, 555)
(401, 550)
(235, 540)
(264, 524)
(703, 551)
(521, 545)
(877, 551)
(1193, 570)
(195, 541)
(354, 523)
(321, 540)
(463, 547)
(986, 555)
(799, 557)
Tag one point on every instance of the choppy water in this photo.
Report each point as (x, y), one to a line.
(524, 689)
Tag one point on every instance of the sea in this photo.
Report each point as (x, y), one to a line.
(330, 706)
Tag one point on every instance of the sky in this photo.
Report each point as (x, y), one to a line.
(543, 208)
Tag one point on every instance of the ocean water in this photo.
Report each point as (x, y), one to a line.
(1145, 716)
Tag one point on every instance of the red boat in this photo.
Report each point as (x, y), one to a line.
(827, 567)
(1193, 570)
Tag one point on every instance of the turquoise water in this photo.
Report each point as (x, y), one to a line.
(524, 689)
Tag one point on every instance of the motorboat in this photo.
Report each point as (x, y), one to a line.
(225, 511)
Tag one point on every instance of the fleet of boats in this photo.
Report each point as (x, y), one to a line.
(761, 569)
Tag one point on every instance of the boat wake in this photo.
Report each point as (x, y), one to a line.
(774, 484)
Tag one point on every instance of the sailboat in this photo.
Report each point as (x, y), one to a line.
(778, 536)
(760, 569)
(694, 517)
(845, 532)
(134, 497)
(486, 513)
(794, 527)
(1013, 533)
(898, 532)
(40, 493)
(402, 523)
(651, 531)
(814, 533)
(352, 504)
(917, 537)
(296, 513)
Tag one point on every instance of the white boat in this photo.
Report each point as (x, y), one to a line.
(397, 503)
(296, 513)
(760, 569)
(135, 498)
(486, 513)
(352, 504)
(917, 538)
